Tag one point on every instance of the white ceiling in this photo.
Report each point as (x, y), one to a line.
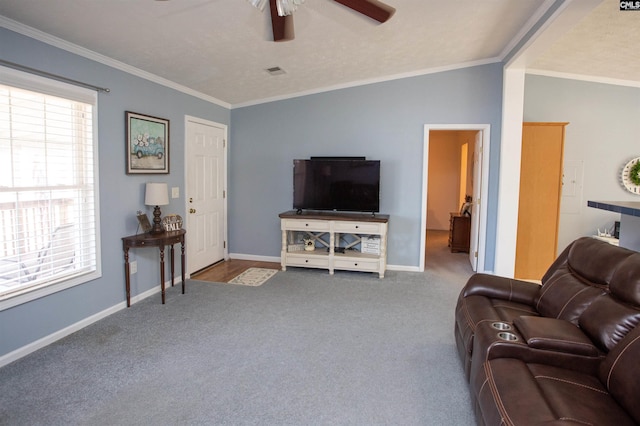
(221, 48)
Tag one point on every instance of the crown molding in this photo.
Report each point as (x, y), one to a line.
(105, 60)
(583, 77)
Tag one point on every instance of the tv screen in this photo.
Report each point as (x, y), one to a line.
(336, 184)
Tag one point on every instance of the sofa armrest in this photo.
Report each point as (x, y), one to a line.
(555, 335)
(497, 287)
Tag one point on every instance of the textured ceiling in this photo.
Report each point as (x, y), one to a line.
(221, 48)
(604, 44)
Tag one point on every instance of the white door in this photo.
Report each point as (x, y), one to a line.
(205, 192)
(475, 209)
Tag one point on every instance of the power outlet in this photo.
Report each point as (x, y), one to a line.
(133, 267)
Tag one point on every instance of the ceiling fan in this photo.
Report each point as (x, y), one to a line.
(282, 20)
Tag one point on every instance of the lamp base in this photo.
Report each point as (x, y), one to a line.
(157, 222)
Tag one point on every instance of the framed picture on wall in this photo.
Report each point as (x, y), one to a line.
(147, 144)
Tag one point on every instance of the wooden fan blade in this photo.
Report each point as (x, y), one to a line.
(371, 8)
(282, 25)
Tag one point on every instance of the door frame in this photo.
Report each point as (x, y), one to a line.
(484, 187)
(191, 119)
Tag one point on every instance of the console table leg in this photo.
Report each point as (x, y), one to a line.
(162, 271)
(182, 264)
(127, 278)
(172, 267)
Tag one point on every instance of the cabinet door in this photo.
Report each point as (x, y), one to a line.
(539, 205)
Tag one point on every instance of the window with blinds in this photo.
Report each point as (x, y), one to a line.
(48, 188)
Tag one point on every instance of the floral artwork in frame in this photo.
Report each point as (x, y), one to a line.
(147, 144)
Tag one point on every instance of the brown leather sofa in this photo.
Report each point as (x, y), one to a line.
(566, 351)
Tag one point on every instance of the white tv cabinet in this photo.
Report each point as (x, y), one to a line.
(335, 240)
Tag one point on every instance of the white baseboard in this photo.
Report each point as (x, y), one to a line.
(53, 337)
(47, 340)
(403, 268)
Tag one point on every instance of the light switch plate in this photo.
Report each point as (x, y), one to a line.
(175, 192)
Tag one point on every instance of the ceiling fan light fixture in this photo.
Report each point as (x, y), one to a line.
(259, 4)
(287, 7)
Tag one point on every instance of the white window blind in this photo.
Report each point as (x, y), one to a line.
(48, 188)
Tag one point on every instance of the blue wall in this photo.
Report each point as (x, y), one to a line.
(121, 195)
(383, 121)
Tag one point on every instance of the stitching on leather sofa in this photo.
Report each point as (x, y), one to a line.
(515, 308)
(467, 315)
(496, 395)
(613, 364)
(571, 419)
(570, 300)
(572, 342)
(557, 379)
(510, 290)
(546, 287)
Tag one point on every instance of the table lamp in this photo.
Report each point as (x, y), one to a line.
(156, 194)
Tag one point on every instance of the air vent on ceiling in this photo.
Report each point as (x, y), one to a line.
(275, 71)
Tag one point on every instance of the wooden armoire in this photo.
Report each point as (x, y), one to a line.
(540, 192)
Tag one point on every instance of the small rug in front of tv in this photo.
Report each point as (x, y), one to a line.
(254, 276)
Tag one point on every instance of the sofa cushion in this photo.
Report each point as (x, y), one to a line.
(620, 374)
(611, 317)
(607, 321)
(595, 261)
(517, 393)
(554, 335)
(565, 296)
(497, 287)
(625, 283)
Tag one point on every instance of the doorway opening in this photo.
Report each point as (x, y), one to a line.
(455, 166)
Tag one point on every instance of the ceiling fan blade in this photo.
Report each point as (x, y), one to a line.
(371, 8)
(282, 25)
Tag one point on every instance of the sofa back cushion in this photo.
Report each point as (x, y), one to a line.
(565, 296)
(606, 321)
(625, 284)
(609, 318)
(620, 374)
(595, 261)
(585, 276)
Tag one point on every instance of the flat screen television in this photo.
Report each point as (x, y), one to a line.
(339, 184)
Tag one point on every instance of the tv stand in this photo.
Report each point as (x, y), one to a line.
(364, 237)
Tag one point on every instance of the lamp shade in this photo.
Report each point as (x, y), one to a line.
(156, 194)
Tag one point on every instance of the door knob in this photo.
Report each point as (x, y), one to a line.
(192, 210)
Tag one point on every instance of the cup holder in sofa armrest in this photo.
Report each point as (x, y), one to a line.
(510, 337)
(555, 335)
(502, 326)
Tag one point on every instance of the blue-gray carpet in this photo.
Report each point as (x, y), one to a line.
(305, 348)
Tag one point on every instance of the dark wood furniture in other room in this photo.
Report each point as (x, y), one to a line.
(459, 232)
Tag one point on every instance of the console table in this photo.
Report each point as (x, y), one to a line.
(154, 240)
(345, 241)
